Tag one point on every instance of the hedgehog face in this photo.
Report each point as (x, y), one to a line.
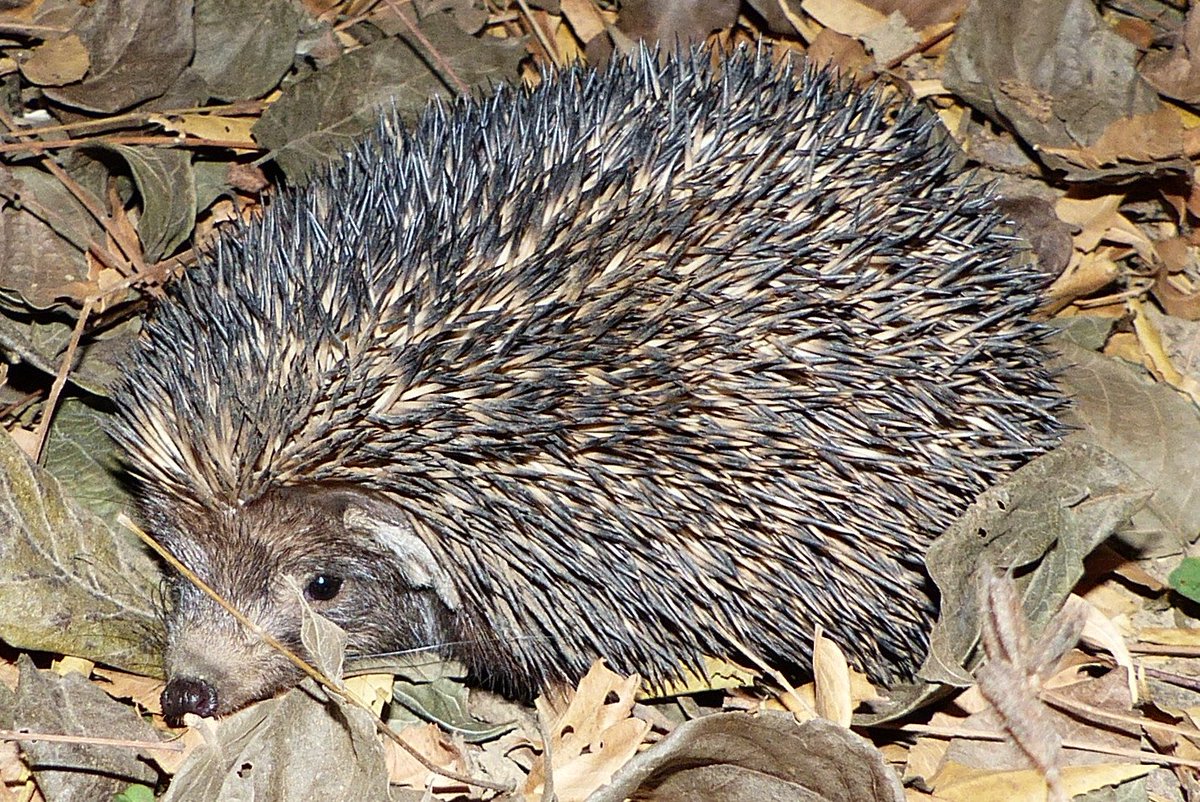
(269, 560)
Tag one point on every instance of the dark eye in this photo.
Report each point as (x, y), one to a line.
(323, 587)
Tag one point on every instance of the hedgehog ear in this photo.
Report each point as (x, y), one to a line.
(421, 570)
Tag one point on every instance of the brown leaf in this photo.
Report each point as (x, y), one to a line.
(584, 19)
(1158, 138)
(137, 49)
(1176, 72)
(434, 745)
(920, 14)
(1035, 220)
(675, 21)
(739, 757)
(591, 738)
(56, 62)
(831, 675)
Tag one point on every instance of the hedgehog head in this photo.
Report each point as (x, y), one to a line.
(338, 553)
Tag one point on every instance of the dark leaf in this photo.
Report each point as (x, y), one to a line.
(1152, 429)
(244, 47)
(444, 702)
(298, 746)
(71, 705)
(68, 583)
(137, 49)
(320, 118)
(738, 757)
(678, 22)
(1044, 519)
(168, 189)
(1051, 70)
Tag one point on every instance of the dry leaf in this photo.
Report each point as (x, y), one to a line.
(435, 746)
(831, 678)
(591, 738)
(57, 62)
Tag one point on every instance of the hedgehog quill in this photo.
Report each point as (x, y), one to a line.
(666, 361)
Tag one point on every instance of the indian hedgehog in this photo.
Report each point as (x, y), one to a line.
(667, 361)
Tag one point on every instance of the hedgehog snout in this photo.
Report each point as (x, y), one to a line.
(184, 695)
(214, 663)
(216, 671)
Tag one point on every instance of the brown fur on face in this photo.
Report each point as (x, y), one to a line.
(260, 558)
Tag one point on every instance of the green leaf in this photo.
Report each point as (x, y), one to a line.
(69, 583)
(1185, 579)
(135, 793)
(168, 188)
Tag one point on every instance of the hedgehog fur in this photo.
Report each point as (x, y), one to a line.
(654, 363)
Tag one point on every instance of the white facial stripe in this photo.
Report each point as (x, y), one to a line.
(420, 567)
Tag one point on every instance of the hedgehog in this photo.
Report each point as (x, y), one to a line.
(679, 359)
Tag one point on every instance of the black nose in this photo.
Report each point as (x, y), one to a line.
(187, 695)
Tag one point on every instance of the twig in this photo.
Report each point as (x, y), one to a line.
(551, 53)
(1100, 749)
(171, 140)
(239, 109)
(13, 735)
(60, 380)
(430, 50)
(920, 47)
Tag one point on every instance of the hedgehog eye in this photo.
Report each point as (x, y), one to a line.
(323, 587)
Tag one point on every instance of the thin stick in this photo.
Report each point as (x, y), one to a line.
(551, 52)
(60, 380)
(13, 735)
(1100, 749)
